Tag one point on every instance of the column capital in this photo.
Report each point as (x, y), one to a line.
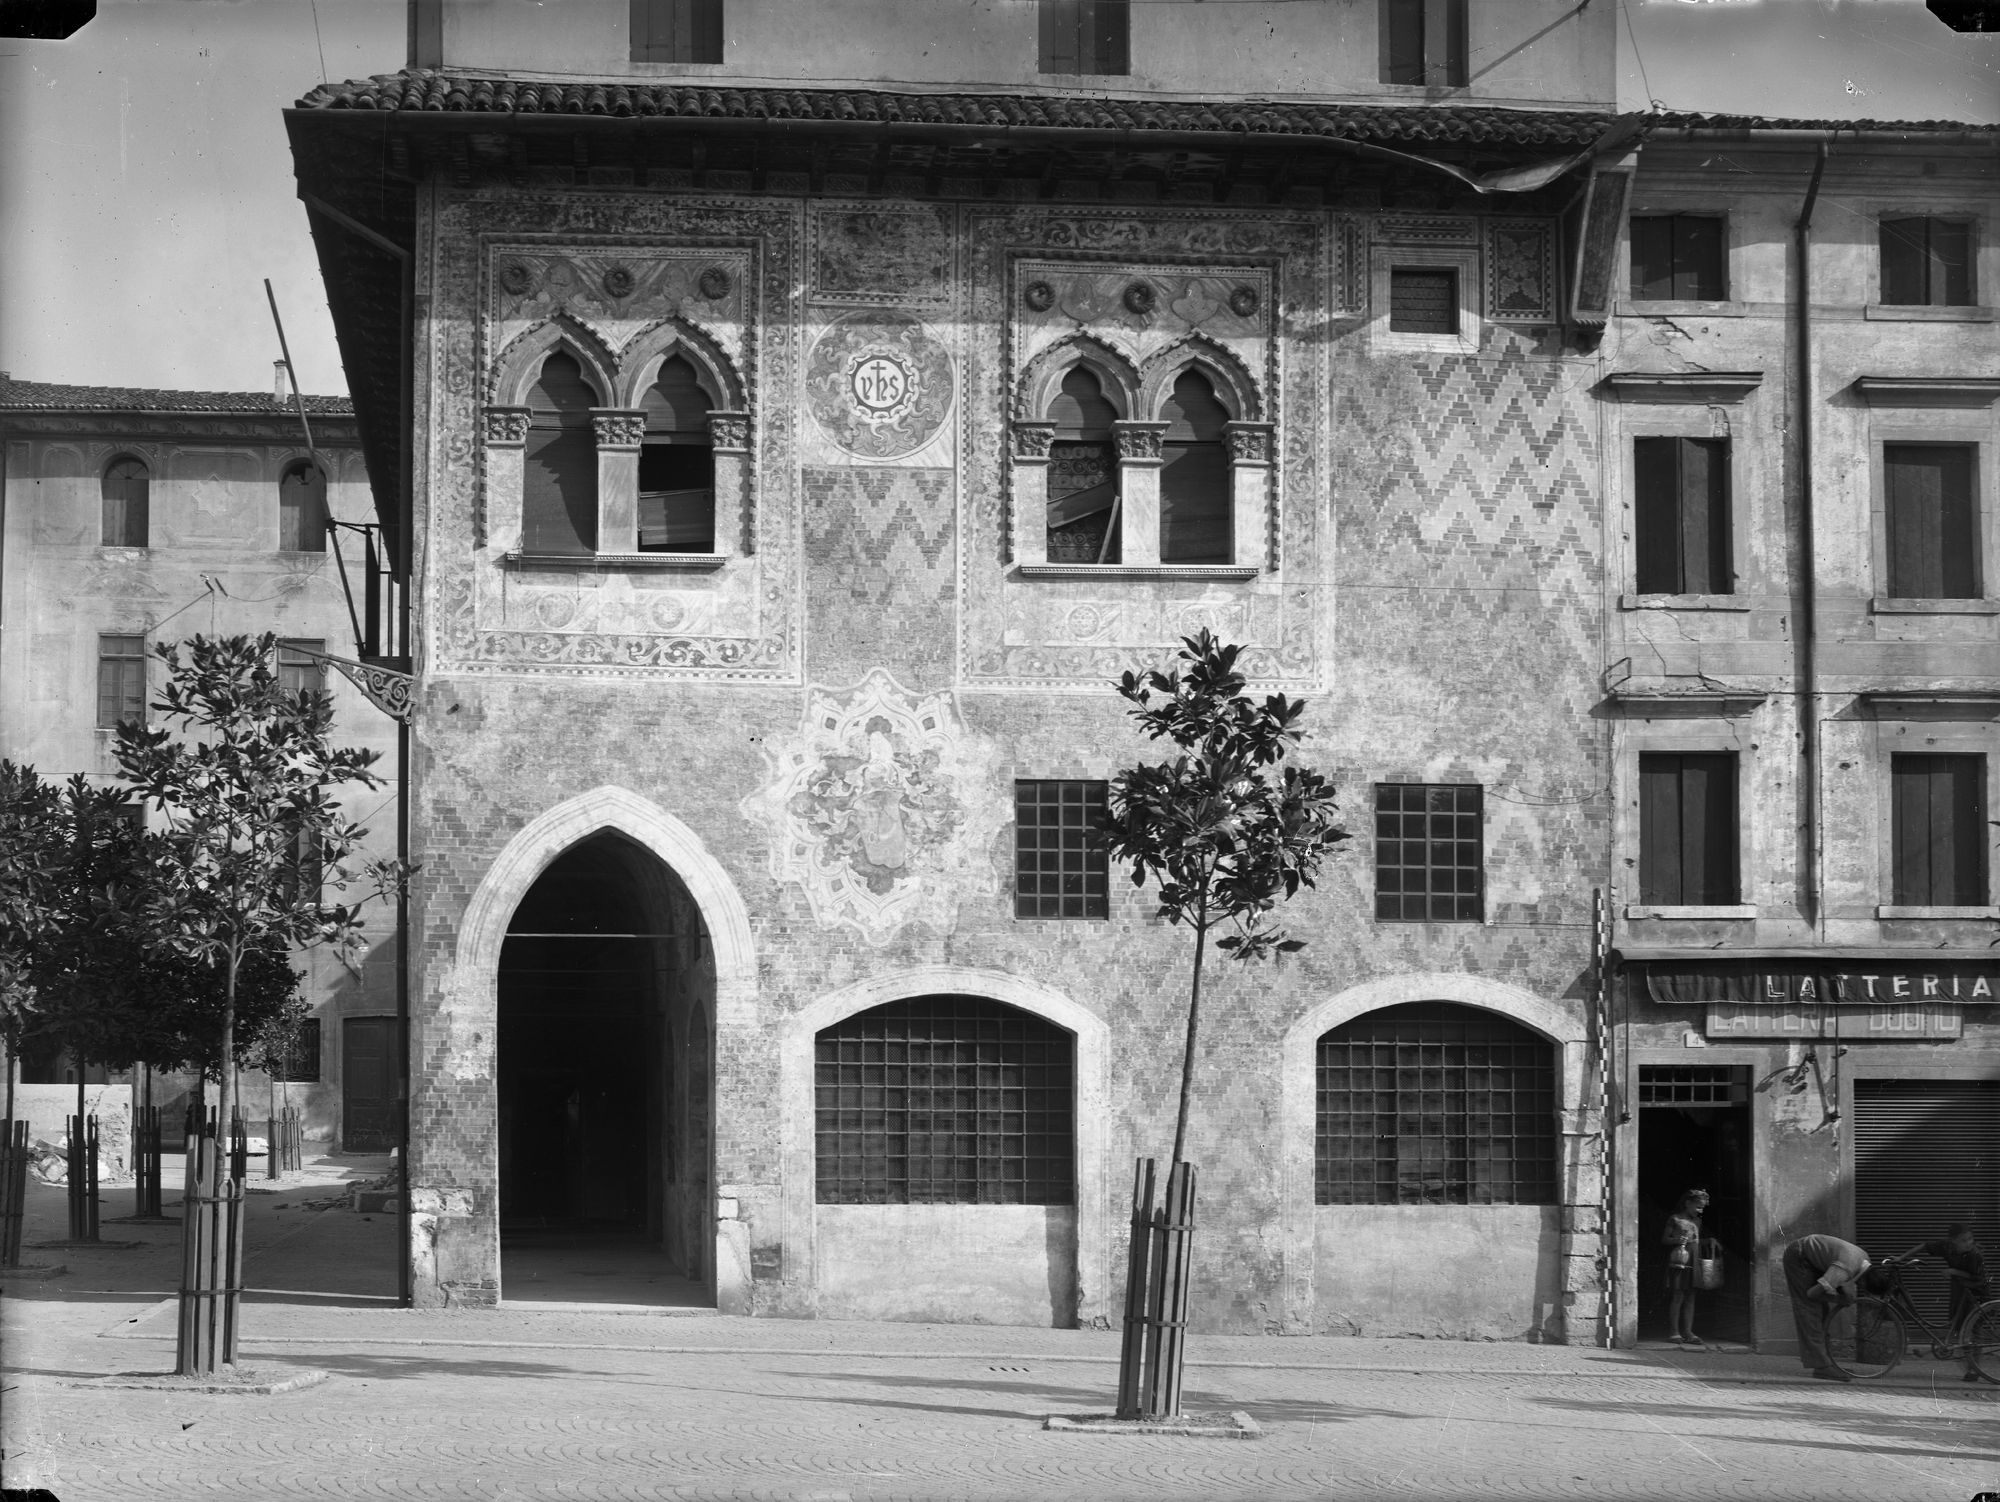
(505, 425)
(618, 427)
(1032, 440)
(1249, 442)
(1139, 441)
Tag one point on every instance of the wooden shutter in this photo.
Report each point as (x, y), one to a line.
(1949, 263)
(1060, 35)
(1926, 1154)
(1938, 830)
(1687, 829)
(559, 475)
(1932, 521)
(125, 490)
(1109, 26)
(1704, 516)
(1194, 475)
(676, 31)
(1904, 253)
(1402, 41)
(1652, 257)
(1697, 258)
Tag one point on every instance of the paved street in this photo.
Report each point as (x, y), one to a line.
(559, 1402)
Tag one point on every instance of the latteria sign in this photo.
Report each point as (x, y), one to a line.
(1874, 981)
(1870, 1024)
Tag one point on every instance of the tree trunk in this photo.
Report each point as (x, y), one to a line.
(13, 1068)
(226, 1105)
(1193, 1023)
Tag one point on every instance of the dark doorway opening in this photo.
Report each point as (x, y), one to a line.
(1694, 1133)
(600, 1125)
(371, 1081)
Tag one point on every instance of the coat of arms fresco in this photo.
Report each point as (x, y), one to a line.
(878, 807)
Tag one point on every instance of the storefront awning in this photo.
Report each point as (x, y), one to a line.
(1829, 976)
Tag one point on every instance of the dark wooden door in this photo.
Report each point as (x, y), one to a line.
(371, 1076)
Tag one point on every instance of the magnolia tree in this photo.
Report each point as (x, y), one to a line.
(251, 836)
(1224, 829)
(27, 824)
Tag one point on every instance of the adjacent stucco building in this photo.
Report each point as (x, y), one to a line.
(136, 517)
(785, 467)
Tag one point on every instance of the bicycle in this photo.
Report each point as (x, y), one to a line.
(1868, 1337)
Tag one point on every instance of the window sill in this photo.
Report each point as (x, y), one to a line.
(1223, 571)
(1633, 307)
(636, 562)
(1890, 312)
(1683, 602)
(1727, 910)
(1886, 605)
(1894, 910)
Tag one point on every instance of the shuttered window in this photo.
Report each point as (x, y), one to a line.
(1677, 258)
(1926, 1154)
(1194, 474)
(1927, 262)
(1932, 521)
(945, 1100)
(1086, 36)
(1938, 830)
(1681, 516)
(676, 31)
(121, 680)
(1432, 1103)
(1422, 42)
(1687, 829)
(126, 491)
(559, 480)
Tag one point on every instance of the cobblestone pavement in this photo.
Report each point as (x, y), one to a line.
(520, 1404)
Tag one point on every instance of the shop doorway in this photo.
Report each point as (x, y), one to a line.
(603, 1136)
(1694, 1132)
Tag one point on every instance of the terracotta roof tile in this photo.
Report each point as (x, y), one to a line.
(433, 91)
(47, 396)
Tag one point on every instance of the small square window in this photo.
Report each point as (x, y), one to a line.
(1060, 870)
(1927, 262)
(1085, 36)
(1678, 258)
(676, 31)
(1423, 300)
(1429, 853)
(1423, 42)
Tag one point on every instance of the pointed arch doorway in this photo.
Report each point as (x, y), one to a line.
(606, 992)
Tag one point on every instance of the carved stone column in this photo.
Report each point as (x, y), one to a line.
(1139, 490)
(1249, 491)
(620, 431)
(1029, 493)
(735, 505)
(504, 431)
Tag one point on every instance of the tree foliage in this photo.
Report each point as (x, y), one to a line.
(1226, 830)
(244, 777)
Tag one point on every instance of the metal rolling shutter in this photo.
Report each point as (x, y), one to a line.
(1926, 1153)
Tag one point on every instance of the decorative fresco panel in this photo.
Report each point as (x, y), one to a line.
(612, 267)
(879, 384)
(1520, 270)
(879, 254)
(1135, 282)
(877, 807)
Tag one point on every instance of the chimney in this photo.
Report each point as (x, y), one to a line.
(278, 392)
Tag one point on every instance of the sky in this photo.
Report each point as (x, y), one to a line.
(146, 186)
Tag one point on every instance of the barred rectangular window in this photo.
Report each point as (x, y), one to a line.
(945, 1100)
(1430, 859)
(1693, 1085)
(121, 680)
(1059, 871)
(300, 1064)
(1432, 1103)
(1423, 301)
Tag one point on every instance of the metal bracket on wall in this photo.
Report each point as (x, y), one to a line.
(389, 689)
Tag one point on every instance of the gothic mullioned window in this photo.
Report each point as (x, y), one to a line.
(1083, 472)
(126, 490)
(677, 465)
(559, 486)
(1194, 474)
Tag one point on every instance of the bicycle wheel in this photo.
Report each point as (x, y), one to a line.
(1981, 1335)
(1865, 1338)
